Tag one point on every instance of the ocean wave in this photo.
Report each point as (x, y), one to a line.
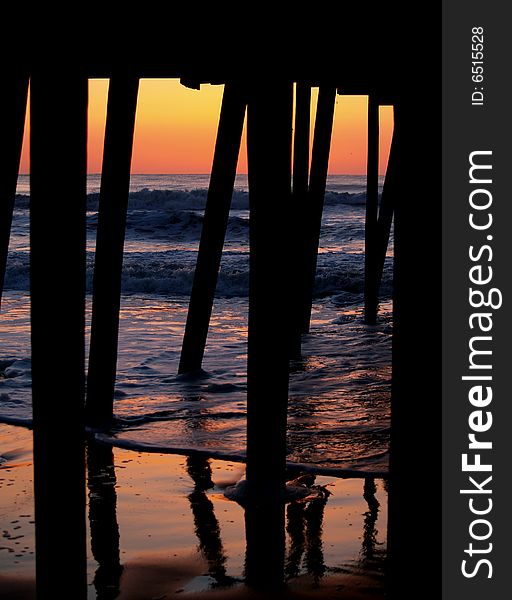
(163, 229)
(195, 199)
(172, 273)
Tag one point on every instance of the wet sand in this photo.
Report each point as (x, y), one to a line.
(161, 580)
(160, 527)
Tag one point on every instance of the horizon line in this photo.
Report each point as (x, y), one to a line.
(209, 174)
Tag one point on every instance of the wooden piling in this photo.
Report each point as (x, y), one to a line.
(371, 247)
(300, 207)
(301, 140)
(317, 183)
(386, 210)
(414, 523)
(213, 233)
(269, 128)
(265, 546)
(14, 106)
(57, 285)
(113, 204)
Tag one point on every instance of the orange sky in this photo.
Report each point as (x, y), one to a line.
(176, 126)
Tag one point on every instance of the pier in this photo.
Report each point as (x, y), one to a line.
(265, 101)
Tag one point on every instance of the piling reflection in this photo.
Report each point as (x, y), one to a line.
(304, 526)
(284, 531)
(315, 564)
(205, 522)
(370, 553)
(295, 527)
(101, 483)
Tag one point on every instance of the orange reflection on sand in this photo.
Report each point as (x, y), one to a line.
(167, 521)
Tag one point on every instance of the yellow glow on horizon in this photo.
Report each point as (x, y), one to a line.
(350, 134)
(97, 116)
(386, 119)
(176, 127)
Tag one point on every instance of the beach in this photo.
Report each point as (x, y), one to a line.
(158, 522)
(154, 532)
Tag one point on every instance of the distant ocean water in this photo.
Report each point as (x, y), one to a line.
(339, 392)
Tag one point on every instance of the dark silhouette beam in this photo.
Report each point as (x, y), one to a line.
(386, 210)
(301, 138)
(414, 526)
(371, 247)
(57, 283)
(13, 106)
(213, 233)
(113, 204)
(300, 206)
(317, 183)
(265, 545)
(269, 129)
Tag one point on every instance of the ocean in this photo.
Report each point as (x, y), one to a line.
(339, 391)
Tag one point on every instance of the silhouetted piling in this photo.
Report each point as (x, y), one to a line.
(113, 204)
(213, 232)
(299, 214)
(14, 106)
(386, 211)
(317, 183)
(57, 284)
(265, 545)
(414, 526)
(371, 247)
(269, 128)
(301, 141)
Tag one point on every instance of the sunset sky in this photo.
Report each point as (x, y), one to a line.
(176, 127)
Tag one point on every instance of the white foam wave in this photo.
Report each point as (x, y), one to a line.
(195, 199)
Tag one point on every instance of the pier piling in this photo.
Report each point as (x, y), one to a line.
(14, 106)
(300, 207)
(58, 115)
(317, 183)
(386, 210)
(371, 247)
(269, 133)
(416, 334)
(113, 204)
(213, 232)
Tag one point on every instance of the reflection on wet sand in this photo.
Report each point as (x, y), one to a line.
(304, 526)
(181, 533)
(265, 566)
(205, 522)
(101, 481)
(369, 551)
(314, 551)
